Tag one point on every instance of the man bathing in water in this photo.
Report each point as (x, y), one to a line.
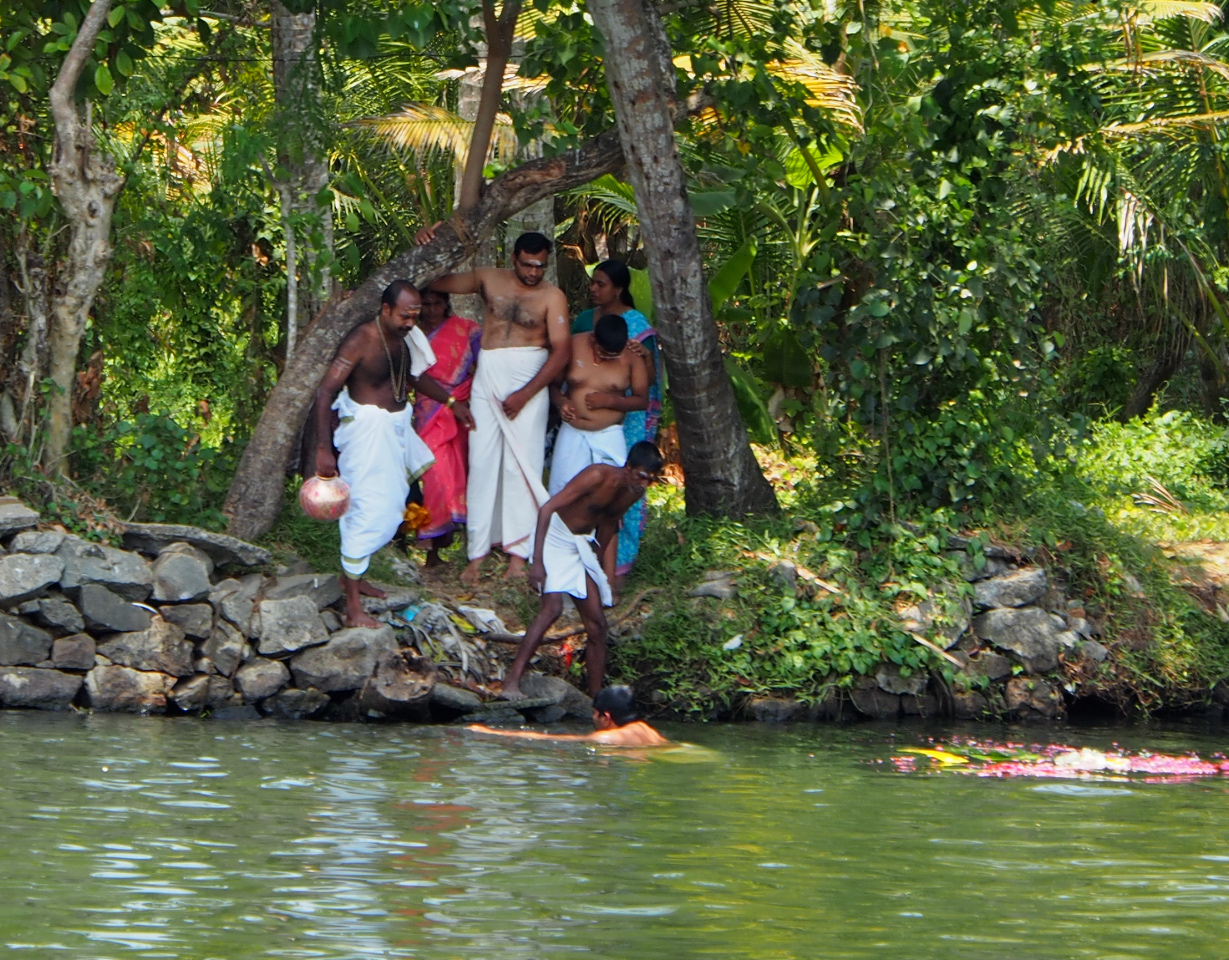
(367, 384)
(599, 377)
(566, 555)
(526, 346)
(614, 716)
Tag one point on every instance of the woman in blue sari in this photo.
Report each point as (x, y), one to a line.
(610, 293)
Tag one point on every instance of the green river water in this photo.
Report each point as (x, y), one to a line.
(128, 837)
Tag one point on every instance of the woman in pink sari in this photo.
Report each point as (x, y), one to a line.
(455, 341)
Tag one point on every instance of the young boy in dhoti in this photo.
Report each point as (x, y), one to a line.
(598, 381)
(367, 385)
(574, 552)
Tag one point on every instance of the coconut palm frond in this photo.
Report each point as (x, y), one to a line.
(828, 89)
(1168, 125)
(423, 128)
(1160, 59)
(609, 202)
(1152, 10)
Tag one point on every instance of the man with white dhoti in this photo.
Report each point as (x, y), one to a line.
(525, 348)
(367, 386)
(574, 551)
(604, 381)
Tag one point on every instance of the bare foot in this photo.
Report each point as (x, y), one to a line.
(367, 590)
(472, 572)
(433, 559)
(511, 693)
(516, 567)
(360, 618)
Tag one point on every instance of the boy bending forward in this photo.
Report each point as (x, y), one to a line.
(574, 551)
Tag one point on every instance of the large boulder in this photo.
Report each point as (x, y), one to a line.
(1013, 589)
(194, 619)
(891, 680)
(121, 572)
(37, 541)
(107, 612)
(449, 701)
(296, 704)
(151, 538)
(345, 661)
(226, 648)
(323, 588)
(871, 701)
(287, 626)
(1031, 699)
(775, 709)
(201, 691)
(161, 647)
(1029, 632)
(15, 515)
(40, 689)
(118, 689)
(234, 600)
(399, 687)
(27, 575)
(181, 573)
(59, 614)
(74, 653)
(21, 643)
(260, 678)
(538, 686)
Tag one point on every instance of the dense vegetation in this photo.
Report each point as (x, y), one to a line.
(967, 260)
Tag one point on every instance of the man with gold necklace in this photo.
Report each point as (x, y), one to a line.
(367, 385)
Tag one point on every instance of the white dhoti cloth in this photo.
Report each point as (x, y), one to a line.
(380, 456)
(577, 449)
(570, 557)
(504, 489)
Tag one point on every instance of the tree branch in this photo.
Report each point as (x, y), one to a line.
(63, 110)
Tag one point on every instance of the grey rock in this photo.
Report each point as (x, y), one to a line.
(295, 568)
(73, 653)
(201, 692)
(153, 537)
(261, 678)
(1028, 632)
(295, 704)
(1011, 589)
(1032, 699)
(454, 699)
(345, 661)
(37, 541)
(923, 705)
(957, 542)
(785, 574)
(332, 622)
(324, 589)
(226, 648)
(234, 600)
(989, 664)
(537, 686)
(21, 643)
(124, 690)
(774, 709)
(181, 575)
(119, 571)
(890, 680)
(398, 598)
(59, 614)
(551, 714)
(870, 701)
(968, 570)
(15, 515)
(236, 708)
(1091, 650)
(39, 689)
(204, 665)
(107, 612)
(27, 575)
(160, 647)
(969, 705)
(1067, 639)
(287, 626)
(194, 619)
(1080, 626)
(719, 589)
(944, 617)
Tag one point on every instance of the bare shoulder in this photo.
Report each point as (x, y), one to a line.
(356, 340)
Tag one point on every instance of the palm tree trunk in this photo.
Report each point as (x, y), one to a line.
(722, 475)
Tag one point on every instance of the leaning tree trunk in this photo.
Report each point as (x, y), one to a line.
(722, 474)
(255, 495)
(86, 183)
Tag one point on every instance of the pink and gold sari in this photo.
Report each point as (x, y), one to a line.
(456, 342)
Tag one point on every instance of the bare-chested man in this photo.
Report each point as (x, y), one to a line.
(526, 346)
(614, 716)
(380, 454)
(569, 558)
(598, 379)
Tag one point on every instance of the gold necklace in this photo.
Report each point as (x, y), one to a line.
(400, 384)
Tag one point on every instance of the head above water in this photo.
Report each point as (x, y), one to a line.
(611, 283)
(400, 306)
(530, 254)
(610, 332)
(616, 703)
(644, 463)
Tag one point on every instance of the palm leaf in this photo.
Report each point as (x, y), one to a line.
(424, 128)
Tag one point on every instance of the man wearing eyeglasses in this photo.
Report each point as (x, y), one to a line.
(574, 551)
(603, 382)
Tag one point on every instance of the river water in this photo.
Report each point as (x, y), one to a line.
(128, 837)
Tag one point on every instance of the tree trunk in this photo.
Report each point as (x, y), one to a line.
(722, 475)
(1170, 352)
(33, 289)
(86, 183)
(469, 97)
(255, 495)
